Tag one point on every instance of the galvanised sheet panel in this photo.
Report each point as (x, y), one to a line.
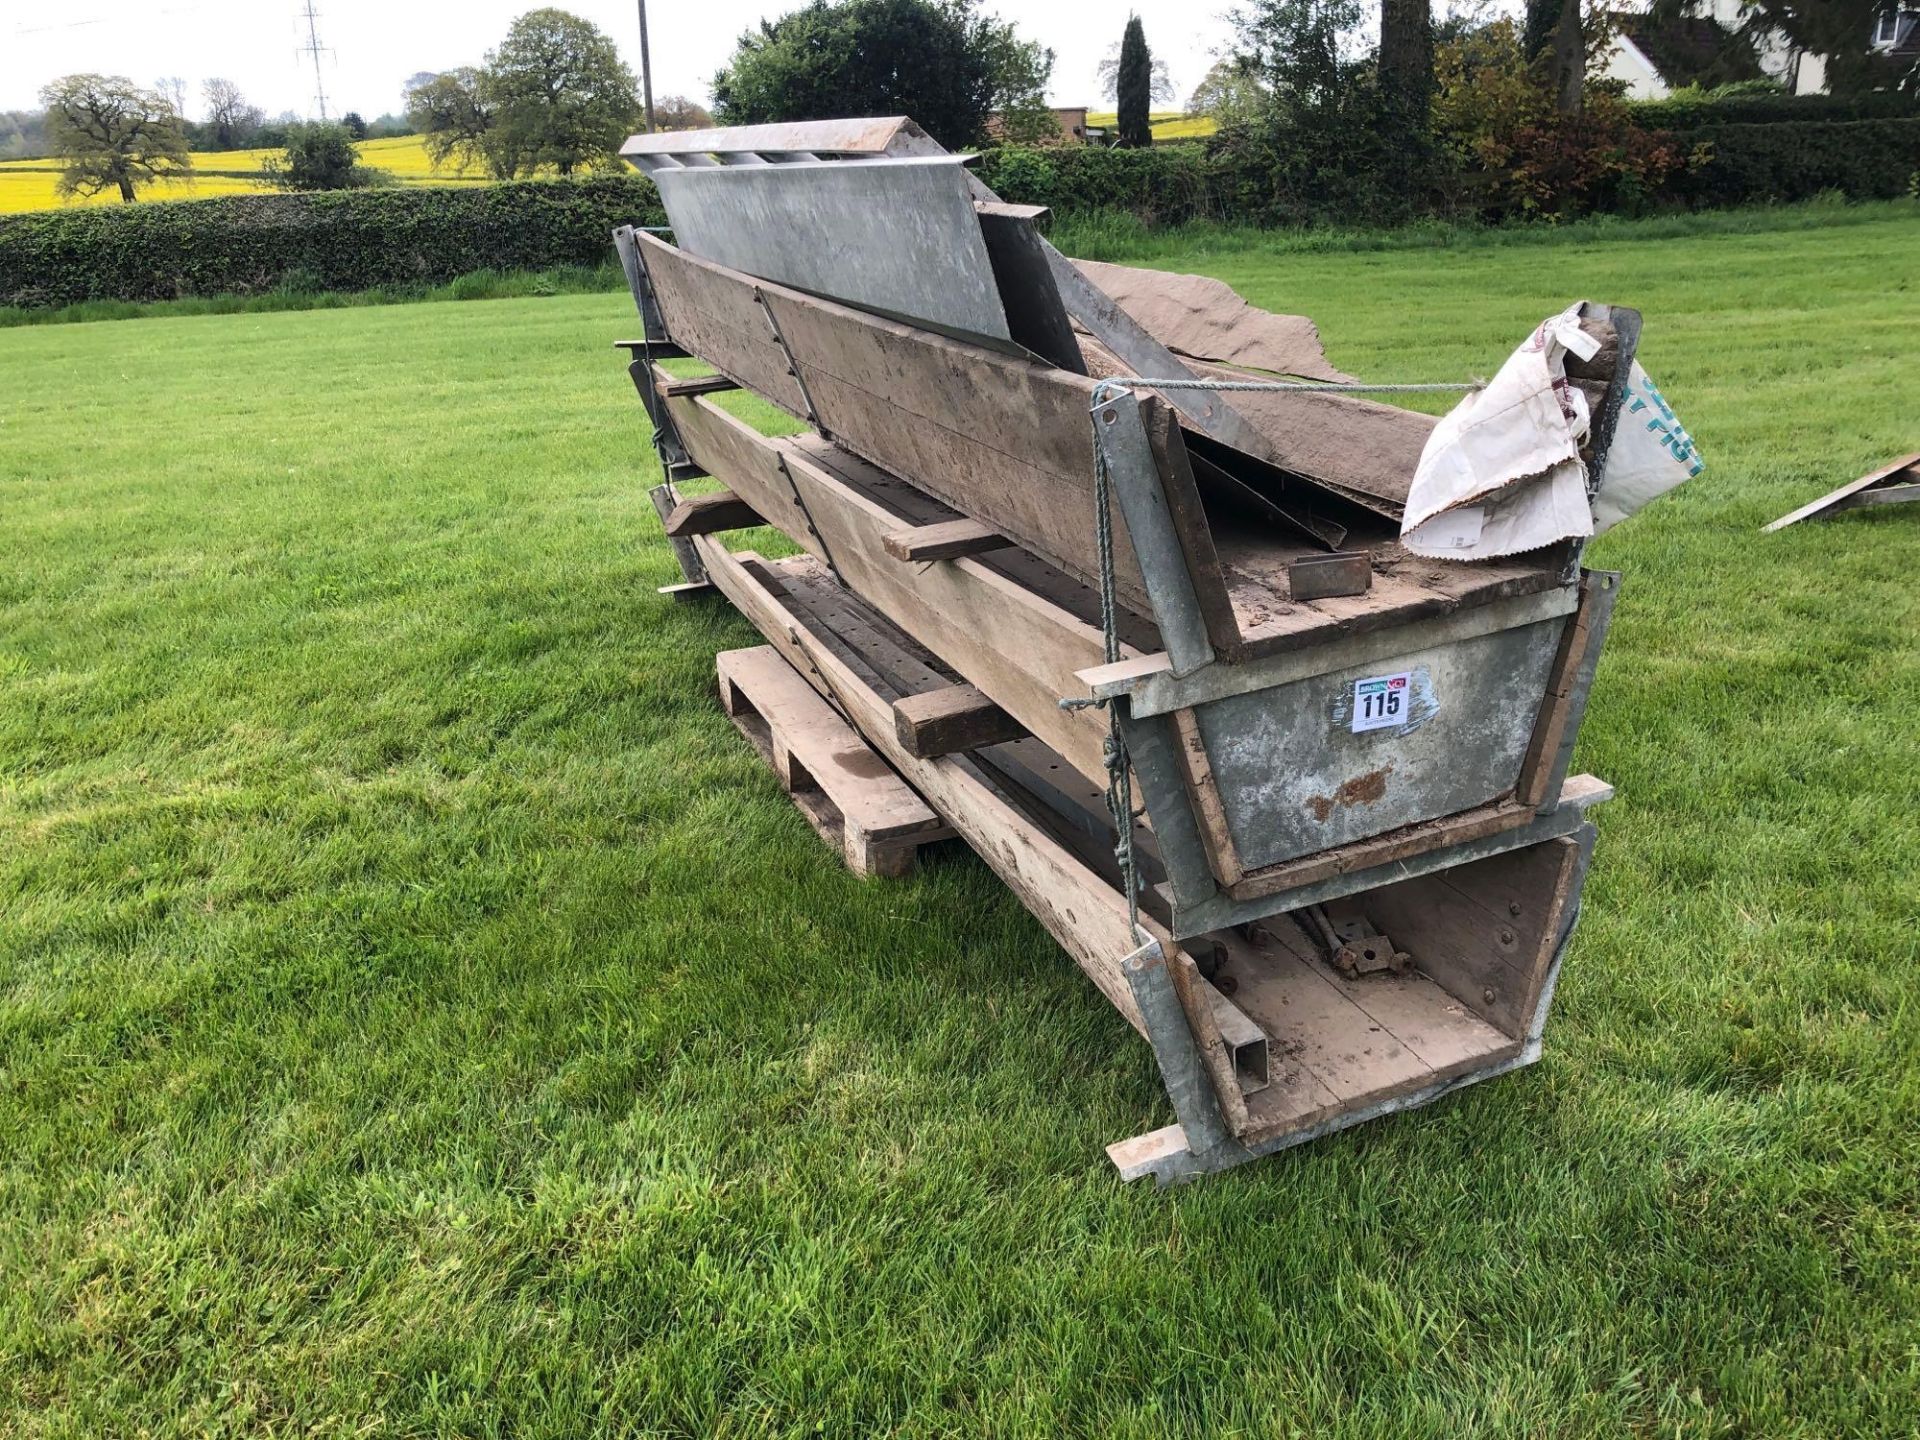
(899, 237)
(1294, 779)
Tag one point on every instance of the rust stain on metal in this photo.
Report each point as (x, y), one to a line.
(1361, 790)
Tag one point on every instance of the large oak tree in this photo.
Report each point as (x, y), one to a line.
(113, 135)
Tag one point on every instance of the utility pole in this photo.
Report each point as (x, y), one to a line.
(313, 47)
(646, 68)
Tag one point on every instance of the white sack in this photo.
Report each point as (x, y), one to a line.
(1502, 473)
(1651, 454)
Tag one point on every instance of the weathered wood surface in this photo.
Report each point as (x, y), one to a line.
(1005, 441)
(1556, 708)
(1855, 492)
(1355, 445)
(951, 721)
(1339, 1046)
(847, 792)
(1486, 931)
(1018, 647)
(1087, 917)
(746, 461)
(697, 385)
(834, 623)
(1405, 588)
(944, 540)
(709, 514)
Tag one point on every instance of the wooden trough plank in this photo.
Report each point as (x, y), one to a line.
(947, 540)
(1003, 439)
(1087, 917)
(952, 721)
(697, 385)
(708, 514)
(1837, 499)
(745, 461)
(880, 821)
(1019, 649)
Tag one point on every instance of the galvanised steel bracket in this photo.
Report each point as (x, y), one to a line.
(1121, 434)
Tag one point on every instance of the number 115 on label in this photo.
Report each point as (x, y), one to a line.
(1380, 701)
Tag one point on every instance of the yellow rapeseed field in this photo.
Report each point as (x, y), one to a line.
(33, 190)
(1167, 124)
(28, 184)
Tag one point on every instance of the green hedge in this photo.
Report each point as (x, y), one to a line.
(1749, 164)
(1166, 184)
(1862, 159)
(345, 240)
(403, 236)
(1689, 114)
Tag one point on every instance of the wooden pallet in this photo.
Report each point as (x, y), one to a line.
(847, 792)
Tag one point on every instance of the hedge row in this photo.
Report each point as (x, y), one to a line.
(360, 240)
(1863, 159)
(345, 240)
(1750, 163)
(1688, 114)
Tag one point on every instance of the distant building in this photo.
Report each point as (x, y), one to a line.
(1072, 120)
(1653, 59)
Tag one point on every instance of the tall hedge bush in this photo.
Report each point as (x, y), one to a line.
(352, 240)
(364, 239)
(1689, 113)
(1750, 164)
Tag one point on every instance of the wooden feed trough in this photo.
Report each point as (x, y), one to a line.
(1360, 853)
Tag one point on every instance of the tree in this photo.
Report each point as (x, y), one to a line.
(1135, 87)
(1229, 93)
(1017, 72)
(939, 61)
(1406, 61)
(1106, 76)
(1555, 36)
(677, 112)
(231, 122)
(562, 95)
(1839, 30)
(455, 113)
(320, 156)
(173, 90)
(113, 135)
(355, 123)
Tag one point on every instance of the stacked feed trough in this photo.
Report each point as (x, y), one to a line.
(1037, 592)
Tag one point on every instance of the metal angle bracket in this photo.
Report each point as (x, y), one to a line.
(1121, 433)
(1174, 1050)
(652, 323)
(793, 365)
(674, 459)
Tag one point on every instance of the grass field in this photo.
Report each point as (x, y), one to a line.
(420, 1015)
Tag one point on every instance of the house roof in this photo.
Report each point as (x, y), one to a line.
(1692, 51)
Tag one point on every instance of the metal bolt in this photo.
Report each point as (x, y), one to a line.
(1506, 937)
(1487, 994)
(1513, 907)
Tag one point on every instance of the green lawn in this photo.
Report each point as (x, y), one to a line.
(420, 1014)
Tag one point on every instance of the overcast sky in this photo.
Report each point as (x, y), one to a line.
(375, 44)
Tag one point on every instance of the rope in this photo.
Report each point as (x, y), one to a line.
(1114, 753)
(1355, 388)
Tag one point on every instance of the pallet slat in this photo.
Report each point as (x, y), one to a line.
(871, 813)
